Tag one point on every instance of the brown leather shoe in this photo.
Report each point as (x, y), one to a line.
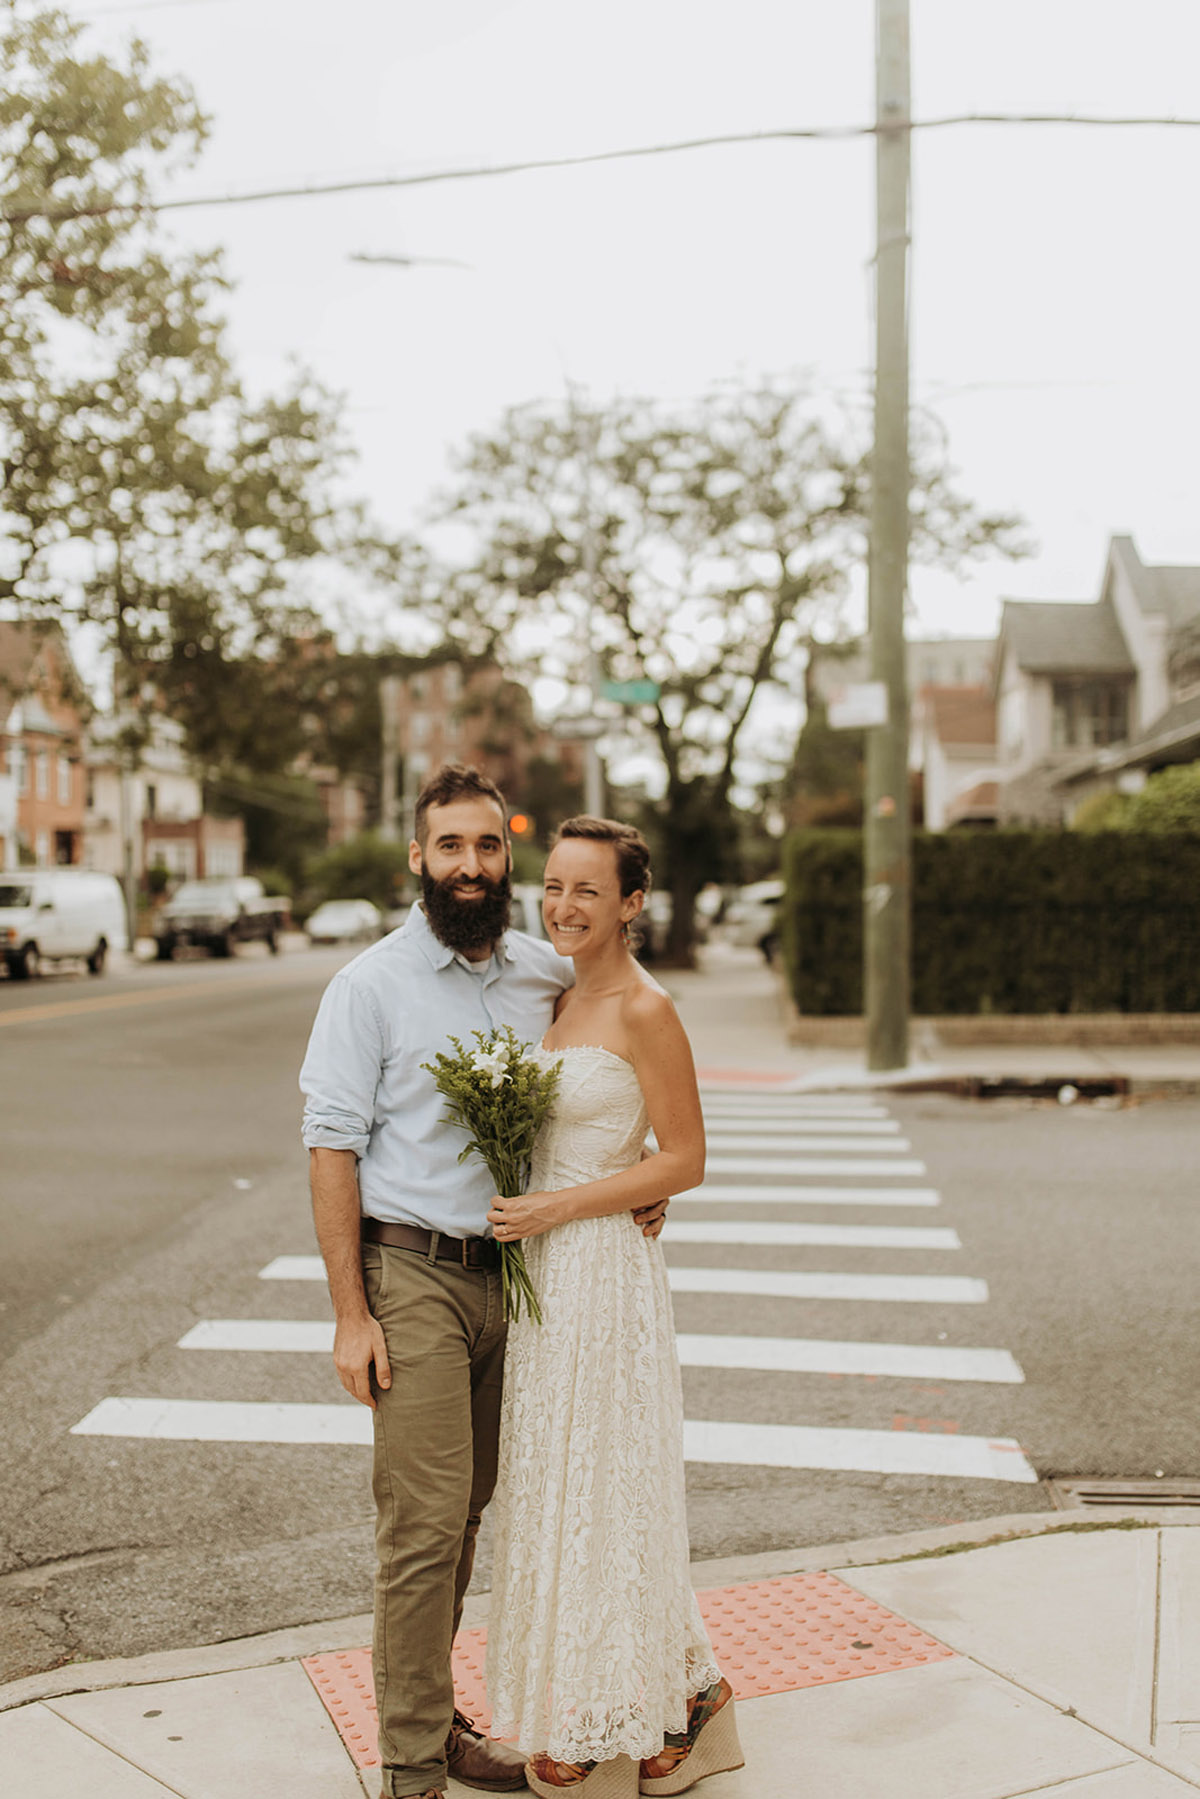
(478, 1761)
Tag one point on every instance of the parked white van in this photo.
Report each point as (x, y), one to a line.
(50, 914)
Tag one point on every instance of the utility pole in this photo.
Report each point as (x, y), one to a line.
(389, 751)
(588, 430)
(888, 831)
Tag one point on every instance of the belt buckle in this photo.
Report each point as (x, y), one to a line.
(466, 1260)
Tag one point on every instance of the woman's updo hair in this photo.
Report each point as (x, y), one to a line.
(631, 849)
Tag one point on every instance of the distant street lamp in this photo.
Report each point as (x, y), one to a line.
(408, 262)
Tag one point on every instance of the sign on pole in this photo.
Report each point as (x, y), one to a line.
(631, 693)
(860, 706)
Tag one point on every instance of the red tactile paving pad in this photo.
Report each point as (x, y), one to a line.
(772, 1636)
(808, 1630)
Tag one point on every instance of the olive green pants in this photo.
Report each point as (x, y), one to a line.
(436, 1435)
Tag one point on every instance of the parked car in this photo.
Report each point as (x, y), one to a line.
(752, 917)
(345, 921)
(56, 914)
(652, 925)
(219, 914)
(527, 909)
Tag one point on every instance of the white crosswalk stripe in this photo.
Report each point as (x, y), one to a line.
(226, 1421)
(759, 1445)
(777, 1149)
(821, 1236)
(825, 1166)
(745, 1100)
(857, 1451)
(293, 1336)
(822, 1355)
(715, 1193)
(793, 1355)
(782, 1283)
(768, 1130)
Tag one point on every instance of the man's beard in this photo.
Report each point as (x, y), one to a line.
(466, 925)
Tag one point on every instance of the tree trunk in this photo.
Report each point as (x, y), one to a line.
(681, 938)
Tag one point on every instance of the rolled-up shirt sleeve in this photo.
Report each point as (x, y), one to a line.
(342, 1069)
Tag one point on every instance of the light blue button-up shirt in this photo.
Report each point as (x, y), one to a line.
(385, 1013)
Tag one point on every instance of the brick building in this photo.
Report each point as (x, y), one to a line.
(43, 712)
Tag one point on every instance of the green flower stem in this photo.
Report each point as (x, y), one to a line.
(502, 1123)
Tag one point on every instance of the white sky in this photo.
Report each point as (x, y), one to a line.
(1055, 269)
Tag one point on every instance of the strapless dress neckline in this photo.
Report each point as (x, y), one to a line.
(561, 1049)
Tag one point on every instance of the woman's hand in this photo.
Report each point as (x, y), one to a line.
(527, 1216)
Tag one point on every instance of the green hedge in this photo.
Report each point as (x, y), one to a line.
(1006, 921)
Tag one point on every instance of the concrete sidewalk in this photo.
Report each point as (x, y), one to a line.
(1056, 1660)
(735, 1011)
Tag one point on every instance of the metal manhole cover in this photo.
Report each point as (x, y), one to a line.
(1099, 1495)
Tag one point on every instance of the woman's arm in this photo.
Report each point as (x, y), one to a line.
(662, 1059)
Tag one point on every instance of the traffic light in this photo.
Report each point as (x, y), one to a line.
(521, 825)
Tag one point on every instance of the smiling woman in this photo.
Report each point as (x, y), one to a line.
(612, 1669)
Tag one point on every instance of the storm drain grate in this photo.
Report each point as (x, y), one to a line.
(1065, 1089)
(1131, 1495)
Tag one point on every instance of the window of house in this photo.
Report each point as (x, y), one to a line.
(1090, 714)
(20, 767)
(64, 780)
(419, 727)
(42, 849)
(151, 800)
(43, 778)
(452, 681)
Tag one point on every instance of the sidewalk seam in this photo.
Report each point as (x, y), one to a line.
(1069, 1711)
(109, 1750)
(1053, 1785)
(1158, 1612)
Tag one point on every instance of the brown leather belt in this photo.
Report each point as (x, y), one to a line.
(468, 1252)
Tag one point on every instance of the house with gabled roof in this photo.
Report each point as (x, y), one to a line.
(1088, 693)
(954, 745)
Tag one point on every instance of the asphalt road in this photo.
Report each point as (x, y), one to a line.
(151, 1168)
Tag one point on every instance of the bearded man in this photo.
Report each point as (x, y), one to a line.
(413, 1271)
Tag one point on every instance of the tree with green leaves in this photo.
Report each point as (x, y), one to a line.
(144, 491)
(697, 547)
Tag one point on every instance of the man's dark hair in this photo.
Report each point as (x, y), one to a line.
(455, 781)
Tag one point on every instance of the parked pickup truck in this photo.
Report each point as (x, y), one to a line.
(219, 914)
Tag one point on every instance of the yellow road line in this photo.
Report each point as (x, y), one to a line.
(113, 1002)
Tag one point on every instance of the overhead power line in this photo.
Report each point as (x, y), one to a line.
(17, 215)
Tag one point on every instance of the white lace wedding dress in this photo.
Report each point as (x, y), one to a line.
(595, 1640)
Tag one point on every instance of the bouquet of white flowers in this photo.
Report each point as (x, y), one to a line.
(501, 1099)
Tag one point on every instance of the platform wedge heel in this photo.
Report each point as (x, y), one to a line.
(711, 1746)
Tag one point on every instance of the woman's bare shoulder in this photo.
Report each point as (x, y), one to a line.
(647, 1007)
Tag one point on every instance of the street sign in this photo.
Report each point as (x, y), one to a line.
(858, 706)
(631, 693)
(583, 729)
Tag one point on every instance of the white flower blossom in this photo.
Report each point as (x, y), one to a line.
(493, 1063)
